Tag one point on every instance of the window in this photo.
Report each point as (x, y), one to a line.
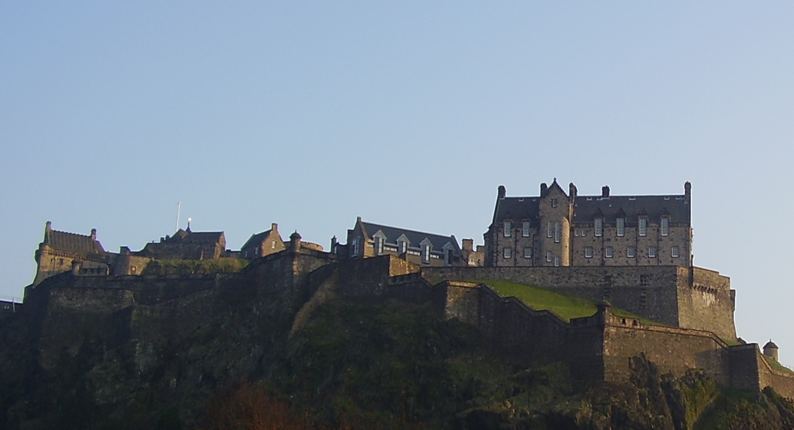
(378, 245)
(528, 252)
(588, 252)
(273, 245)
(556, 261)
(609, 252)
(549, 229)
(674, 252)
(426, 253)
(554, 203)
(355, 247)
(525, 229)
(507, 229)
(643, 226)
(449, 257)
(557, 232)
(598, 224)
(631, 252)
(644, 281)
(665, 226)
(651, 252)
(403, 246)
(621, 226)
(549, 256)
(507, 253)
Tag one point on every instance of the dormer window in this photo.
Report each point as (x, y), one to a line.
(508, 227)
(643, 226)
(378, 245)
(525, 229)
(620, 225)
(402, 246)
(598, 226)
(425, 253)
(665, 225)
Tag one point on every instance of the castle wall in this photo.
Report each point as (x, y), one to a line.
(706, 303)
(672, 350)
(769, 376)
(649, 291)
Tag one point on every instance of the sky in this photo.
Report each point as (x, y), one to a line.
(409, 113)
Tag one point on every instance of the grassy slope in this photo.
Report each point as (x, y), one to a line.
(564, 306)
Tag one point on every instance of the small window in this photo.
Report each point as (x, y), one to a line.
(525, 229)
(643, 226)
(549, 229)
(508, 227)
(556, 261)
(631, 252)
(426, 253)
(378, 245)
(557, 232)
(621, 226)
(549, 256)
(651, 252)
(273, 245)
(403, 245)
(449, 257)
(608, 252)
(507, 253)
(674, 252)
(598, 225)
(588, 252)
(554, 203)
(665, 226)
(644, 281)
(528, 252)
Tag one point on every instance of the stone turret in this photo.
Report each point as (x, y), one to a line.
(771, 350)
(295, 242)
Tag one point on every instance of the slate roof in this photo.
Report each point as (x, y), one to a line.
(187, 236)
(587, 208)
(256, 239)
(414, 237)
(73, 243)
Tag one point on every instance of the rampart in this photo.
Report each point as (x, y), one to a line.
(676, 296)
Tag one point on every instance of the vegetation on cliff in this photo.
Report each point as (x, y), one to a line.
(176, 267)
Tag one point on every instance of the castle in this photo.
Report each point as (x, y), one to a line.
(630, 252)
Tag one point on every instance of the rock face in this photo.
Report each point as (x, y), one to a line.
(208, 352)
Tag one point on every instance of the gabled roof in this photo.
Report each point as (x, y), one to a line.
(73, 243)
(586, 208)
(414, 237)
(256, 239)
(187, 236)
(770, 344)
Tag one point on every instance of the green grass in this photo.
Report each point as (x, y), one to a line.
(564, 306)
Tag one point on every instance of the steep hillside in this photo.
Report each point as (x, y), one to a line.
(222, 357)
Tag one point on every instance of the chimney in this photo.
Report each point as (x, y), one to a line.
(93, 234)
(333, 245)
(605, 191)
(687, 189)
(501, 192)
(47, 230)
(543, 189)
(358, 219)
(468, 245)
(572, 191)
(274, 227)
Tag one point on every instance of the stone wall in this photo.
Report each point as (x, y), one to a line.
(659, 293)
(672, 350)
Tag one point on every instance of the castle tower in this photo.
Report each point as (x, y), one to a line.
(554, 209)
(771, 350)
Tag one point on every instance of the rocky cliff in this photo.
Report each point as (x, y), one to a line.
(221, 353)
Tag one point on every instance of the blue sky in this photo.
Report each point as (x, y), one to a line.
(410, 113)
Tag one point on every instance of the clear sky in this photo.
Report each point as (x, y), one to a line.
(407, 113)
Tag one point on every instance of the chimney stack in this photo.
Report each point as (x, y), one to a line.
(605, 191)
(274, 227)
(468, 245)
(543, 189)
(501, 192)
(93, 234)
(688, 189)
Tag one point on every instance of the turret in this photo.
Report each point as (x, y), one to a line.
(770, 349)
(295, 242)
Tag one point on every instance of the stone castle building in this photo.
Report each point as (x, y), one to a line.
(60, 250)
(366, 239)
(557, 228)
(262, 244)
